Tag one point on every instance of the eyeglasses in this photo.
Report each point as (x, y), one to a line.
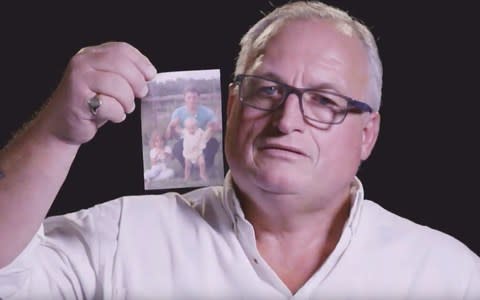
(316, 105)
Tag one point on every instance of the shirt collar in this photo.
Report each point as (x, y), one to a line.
(232, 204)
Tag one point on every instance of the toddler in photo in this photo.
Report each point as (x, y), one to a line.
(159, 153)
(194, 141)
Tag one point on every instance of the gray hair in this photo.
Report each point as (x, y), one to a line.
(255, 40)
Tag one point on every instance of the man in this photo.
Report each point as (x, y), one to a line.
(206, 119)
(290, 220)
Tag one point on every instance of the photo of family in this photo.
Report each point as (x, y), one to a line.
(182, 130)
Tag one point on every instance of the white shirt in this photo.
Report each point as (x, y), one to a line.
(160, 154)
(200, 246)
(193, 144)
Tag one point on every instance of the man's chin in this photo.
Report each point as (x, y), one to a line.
(278, 178)
(279, 182)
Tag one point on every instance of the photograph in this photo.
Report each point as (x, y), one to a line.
(181, 120)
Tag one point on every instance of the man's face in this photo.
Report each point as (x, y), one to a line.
(191, 99)
(279, 152)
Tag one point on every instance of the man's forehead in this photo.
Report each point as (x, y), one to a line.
(325, 29)
(317, 59)
(340, 26)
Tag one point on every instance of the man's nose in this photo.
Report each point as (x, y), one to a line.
(289, 116)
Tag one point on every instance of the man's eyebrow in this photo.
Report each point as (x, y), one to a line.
(272, 76)
(324, 86)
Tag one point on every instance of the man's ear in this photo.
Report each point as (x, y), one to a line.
(370, 134)
(231, 98)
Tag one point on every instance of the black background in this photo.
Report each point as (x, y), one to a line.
(425, 164)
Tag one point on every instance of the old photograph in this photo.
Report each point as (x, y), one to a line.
(182, 130)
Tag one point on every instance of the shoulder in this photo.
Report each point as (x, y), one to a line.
(134, 213)
(101, 218)
(211, 194)
(402, 257)
(138, 212)
(381, 221)
(205, 109)
(403, 238)
(179, 110)
(170, 206)
(86, 232)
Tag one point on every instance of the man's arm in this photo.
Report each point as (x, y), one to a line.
(34, 166)
(173, 128)
(206, 135)
(213, 124)
(36, 162)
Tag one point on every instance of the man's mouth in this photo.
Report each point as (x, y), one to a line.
(282, 147)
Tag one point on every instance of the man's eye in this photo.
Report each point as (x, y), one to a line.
(269, 91)
(322, 100)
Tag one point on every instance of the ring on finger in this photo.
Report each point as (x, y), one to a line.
(94, 104)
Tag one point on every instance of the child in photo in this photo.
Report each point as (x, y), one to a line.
(194, 141)
(159, 153)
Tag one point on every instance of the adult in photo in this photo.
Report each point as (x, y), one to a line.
(206, 120)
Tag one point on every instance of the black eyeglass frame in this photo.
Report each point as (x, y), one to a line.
(352, 104)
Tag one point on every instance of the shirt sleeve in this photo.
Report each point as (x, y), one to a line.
(175, 114)
(68, 258)
(211, 117)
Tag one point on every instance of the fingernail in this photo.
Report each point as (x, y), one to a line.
(131, 109)
(144, 91)
(151, 71)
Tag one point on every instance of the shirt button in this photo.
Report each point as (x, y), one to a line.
(255, 261)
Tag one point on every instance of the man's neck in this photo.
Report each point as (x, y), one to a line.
(293, 238)
(191, 109)
(294, 214)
